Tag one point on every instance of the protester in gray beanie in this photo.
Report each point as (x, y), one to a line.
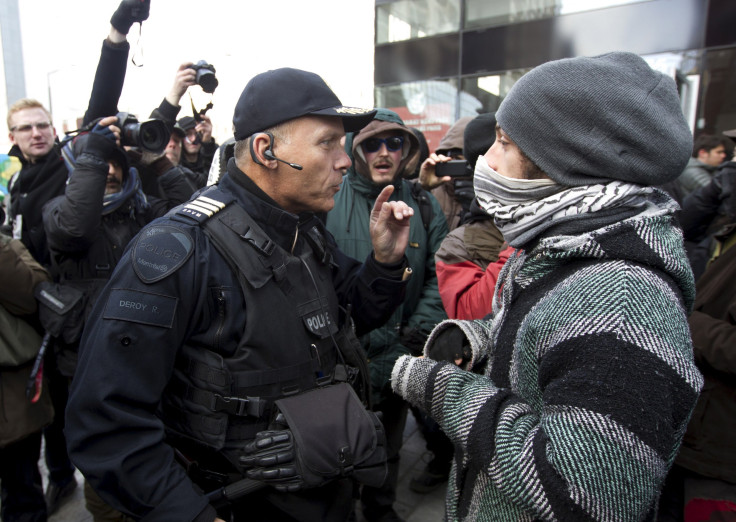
(570, 400)
(623, 121)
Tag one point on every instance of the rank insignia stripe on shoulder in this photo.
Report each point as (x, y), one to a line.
(201, 208)
(159, 251)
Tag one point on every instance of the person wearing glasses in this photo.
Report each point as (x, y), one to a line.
(41, 177)
(381, 151)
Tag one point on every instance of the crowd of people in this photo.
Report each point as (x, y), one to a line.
(238, 331)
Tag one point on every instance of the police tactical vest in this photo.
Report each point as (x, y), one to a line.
(288, 343)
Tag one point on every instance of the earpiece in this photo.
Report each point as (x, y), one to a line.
(269, 155)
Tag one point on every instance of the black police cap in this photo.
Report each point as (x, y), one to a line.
(284, 94)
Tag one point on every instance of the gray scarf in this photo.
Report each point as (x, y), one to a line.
(521, 214)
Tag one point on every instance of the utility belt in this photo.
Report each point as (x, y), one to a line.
(330, 436)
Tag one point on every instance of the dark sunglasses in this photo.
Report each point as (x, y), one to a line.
(393, 143)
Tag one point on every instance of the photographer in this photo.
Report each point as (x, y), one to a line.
(198, 146)
(187, 74)
(102, 208)
(453, 193)
(89, 226)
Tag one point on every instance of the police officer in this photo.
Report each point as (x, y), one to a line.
(230, 302)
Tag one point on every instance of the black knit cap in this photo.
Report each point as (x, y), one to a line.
(284, 94)
(186, 123)
(479, 135)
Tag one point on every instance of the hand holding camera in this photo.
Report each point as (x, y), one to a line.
(185, 77)
(204, 128)
(188, 74)
(151, 135)
(438, 169)
(107, 127)
(102, 139)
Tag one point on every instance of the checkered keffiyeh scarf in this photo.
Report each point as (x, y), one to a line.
(522, 222)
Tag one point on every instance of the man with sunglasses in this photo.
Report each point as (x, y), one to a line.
(382, 150)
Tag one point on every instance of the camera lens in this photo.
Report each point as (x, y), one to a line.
(153, 135)
(207, 80)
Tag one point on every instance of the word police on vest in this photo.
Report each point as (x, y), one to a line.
(318, 323)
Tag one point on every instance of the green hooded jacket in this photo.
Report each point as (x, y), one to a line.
(349, 221)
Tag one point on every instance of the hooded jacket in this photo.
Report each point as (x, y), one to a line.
(349, 222)
(583, 381)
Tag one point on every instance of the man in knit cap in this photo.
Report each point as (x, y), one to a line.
(569, 402)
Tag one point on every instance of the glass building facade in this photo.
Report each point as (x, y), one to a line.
(439, 60)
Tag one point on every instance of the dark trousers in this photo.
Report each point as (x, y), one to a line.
(61, 469)
(376, 501)
(329, 503)
(20, 481)
(437, 442)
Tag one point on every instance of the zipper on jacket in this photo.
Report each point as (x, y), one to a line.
(221, 302)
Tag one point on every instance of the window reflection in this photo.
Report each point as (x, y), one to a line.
(430, 106)
(491, 90)
(408, 19)
(482, 13)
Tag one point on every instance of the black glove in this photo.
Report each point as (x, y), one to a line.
(336, 438)
(450, 345)
(100, 142)
(128, 13)
(270, 457)
(413, 339)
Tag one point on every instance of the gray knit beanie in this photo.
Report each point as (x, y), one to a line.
(591, 120)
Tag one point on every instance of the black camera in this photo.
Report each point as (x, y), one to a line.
(149, 135)
(453, 168)
(205, 76)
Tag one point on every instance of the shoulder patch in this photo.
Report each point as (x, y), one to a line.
(140, 307)
(159, 251)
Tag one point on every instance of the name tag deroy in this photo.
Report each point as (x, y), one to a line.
(140, 307)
